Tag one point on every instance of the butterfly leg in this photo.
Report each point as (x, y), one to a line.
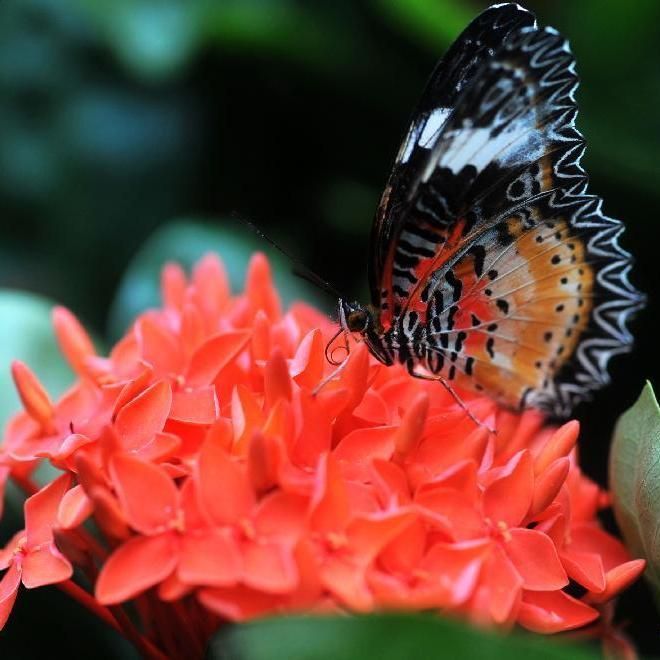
(410, 366)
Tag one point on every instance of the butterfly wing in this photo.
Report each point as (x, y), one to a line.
(533, 307)
(496, 254)
(511, 137)
(453, 73)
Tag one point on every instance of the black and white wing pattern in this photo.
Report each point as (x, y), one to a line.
(451, 76)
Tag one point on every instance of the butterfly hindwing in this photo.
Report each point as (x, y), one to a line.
(534, 306)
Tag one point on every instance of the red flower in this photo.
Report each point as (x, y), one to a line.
(31, 556)
(219, 476)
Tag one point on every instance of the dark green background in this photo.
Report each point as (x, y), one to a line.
(120, 118)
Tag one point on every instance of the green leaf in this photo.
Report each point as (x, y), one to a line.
(185, 241)
(434, 23)
(635, 481)
(26, 334)
(382, 636)
(154, 39)
(157, 39)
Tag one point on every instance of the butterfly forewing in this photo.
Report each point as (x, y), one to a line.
(450, 77)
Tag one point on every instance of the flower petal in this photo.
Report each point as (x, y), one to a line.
(347, 583)
(138, 564)
(508, 498)
(307, 365)
(41, 511)
(553, 611)
(451, 510)
(159, 448)
(246, 414)
(195, 406)
(131, 389)
(147, 494)
(281, 516)
(373, 410)
(173, 285)
(329, 507)
(536, 560)
(223, 486)
(140, 419)
(259, 287)
(504, 586)
(617, 579)
(560, 444)
(158, 346)
(586, 568)
(210, 286)
(456, 567)
(33, 395)
(210, 559)
(358, 448)
(73, 340)
(367, 536)
(277, 383)
(265, 455)
(316, 434)
(412, 424)
(269, 567)
(75, 507)
(355, 376)
(548, 484)
(9, 584)
(404, 552)
(238, 603)
(47, 565)
(7, 554)
(589, 537)
(213, 356)
(171, 588)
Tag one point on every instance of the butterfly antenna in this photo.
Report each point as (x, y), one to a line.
(299, 269)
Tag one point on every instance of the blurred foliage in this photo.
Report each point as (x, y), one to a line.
(26, 334)
(382, 636)
(186, 241)
(118, 117)
(635, 482)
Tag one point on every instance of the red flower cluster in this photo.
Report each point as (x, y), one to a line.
(205, 478)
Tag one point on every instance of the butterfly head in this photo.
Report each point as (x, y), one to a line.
(362, 320)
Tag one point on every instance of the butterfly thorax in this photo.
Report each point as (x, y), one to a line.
(407, 341)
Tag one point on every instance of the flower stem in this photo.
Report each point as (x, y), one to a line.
(115, 617)
(141, 643)
(26, 484)
(88, 601)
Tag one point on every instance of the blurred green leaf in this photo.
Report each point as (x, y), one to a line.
(346, 204)
(154, 39)
(26, 334)
(185, 241)
(615, 89)
(385, 636)
(157, 38)
(283, 28)
(635, 481)
(434, 23)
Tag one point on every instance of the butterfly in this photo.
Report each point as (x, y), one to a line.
(492, 268)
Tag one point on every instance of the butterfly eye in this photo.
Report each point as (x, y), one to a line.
(357, 321)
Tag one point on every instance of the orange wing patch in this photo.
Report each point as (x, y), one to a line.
(523, 316)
